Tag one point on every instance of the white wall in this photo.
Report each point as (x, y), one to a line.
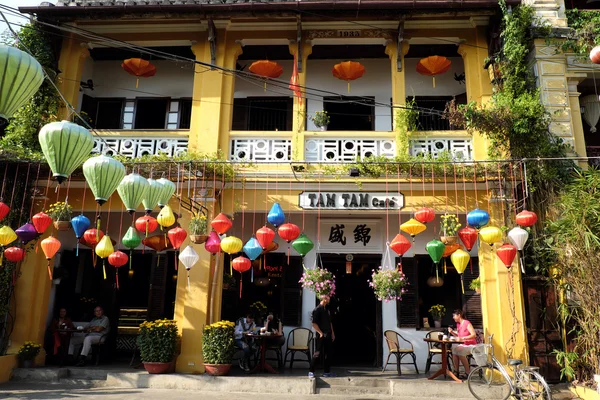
(445, 85)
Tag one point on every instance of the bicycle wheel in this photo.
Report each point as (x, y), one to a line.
(489, 383)
(532, 386)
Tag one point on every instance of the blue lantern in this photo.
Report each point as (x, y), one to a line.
(276, 216)
(478, 218)
(253, 249)
(80, 224)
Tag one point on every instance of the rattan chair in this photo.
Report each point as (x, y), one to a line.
(299, 340)
(435, 349)
(399, 347)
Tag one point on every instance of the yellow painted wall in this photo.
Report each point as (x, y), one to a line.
(7, 363)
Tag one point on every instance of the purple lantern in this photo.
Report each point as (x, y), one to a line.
(213, 244)
(26, 233)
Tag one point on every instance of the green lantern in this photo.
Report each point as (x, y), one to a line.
(65, 145)
(103, 174)
(150, 200)
(303, 244)
(131, 240)
(166, 193)
(435, 248)
(20, 77)
(132, 190)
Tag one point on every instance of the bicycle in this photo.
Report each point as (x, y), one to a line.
(490, 379)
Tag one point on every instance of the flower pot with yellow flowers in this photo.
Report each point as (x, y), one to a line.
(437, 311)
(198, 228)
(449, 228)
(27, 354)
(61, 214)
(218, 347)
(157, 342)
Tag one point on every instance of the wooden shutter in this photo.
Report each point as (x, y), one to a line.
(156, 295)
(240, 115)
(292, 292)
(472, 300)
(407, 309)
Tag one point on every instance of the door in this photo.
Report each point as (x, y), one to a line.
(350, 113)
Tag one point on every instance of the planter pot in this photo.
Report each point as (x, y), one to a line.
(198, 239)
(478, 290)
(217, 369)
(157, 367)
(449, 239)
(323, 128)
(437, 323)
(27, 363)
(62, 225)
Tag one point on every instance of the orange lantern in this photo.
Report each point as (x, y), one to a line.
(50, 247)
(348, 71)
(138, 67)
(433, 65)
(266, 69)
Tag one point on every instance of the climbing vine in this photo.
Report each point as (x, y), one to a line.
(585, 34)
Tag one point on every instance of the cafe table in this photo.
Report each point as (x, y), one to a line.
(444, 370)
(262, 341)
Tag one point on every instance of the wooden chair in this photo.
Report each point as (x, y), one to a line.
(434, 349)
(299, 340)
(399, 347)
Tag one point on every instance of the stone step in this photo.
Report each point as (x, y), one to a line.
(92, 374)
(350, 381)
(354, 391)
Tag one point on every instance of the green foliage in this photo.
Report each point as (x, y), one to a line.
(450, 224)
(29, 350)
(388, 284)
(475, 284)
(321, 118)
(407, 120)
(258, 309)
(568, 362)
(198, 224)
(157, 340)
(217, 343)
(438, 311)
(586, 32)
(60, 211)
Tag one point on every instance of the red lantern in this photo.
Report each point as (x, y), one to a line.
(507, 253)
(14, 254)
(146, 224)
(177, 236)
(91, 237)
(4, 210)
(241, 264)
(468, 236)
(526, 218)
(41, 221)
(595, 55)
(425, 215)
(266, 68)
(400, 244)
(265, 236)
(117, 260)
(289, 232)
(221, 223)
(50, 246)
(157, 243)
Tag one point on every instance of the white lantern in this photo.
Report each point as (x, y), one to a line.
(518, 237)
(591, 113)
(188, 257)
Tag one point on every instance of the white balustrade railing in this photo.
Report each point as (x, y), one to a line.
(252, 149)
(135, 147)
(460, 149)
(347, 150)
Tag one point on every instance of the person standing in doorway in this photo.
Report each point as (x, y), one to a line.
(321, 323)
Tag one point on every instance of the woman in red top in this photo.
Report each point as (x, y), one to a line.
(465, 333)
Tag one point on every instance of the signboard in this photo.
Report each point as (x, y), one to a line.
(351, 236)
(348, 201)
(348, 33)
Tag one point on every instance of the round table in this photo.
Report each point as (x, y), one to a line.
(262, 340)
(444, 370)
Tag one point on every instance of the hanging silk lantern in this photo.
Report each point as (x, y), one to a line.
(412, 227)
(595, 55)
(157, 243)
(188, 258)
(468, 236)
(507, 253)
(132, 190)
(131, 240)
(14, 254)
(518, 237)
(253, 249)
(7, 236)
(491, 235)
(92, 237)
(177, 236)
(460, 259)
(166, 192)
(50, 247)
(80, 224)
(288, 232)
(103, 249)
(213, 243)
(152, 195)
(266, 69)
(265, 236)
(276, 216)
(425, 215)
(348, 71)
(400, 245)
(433, 65)
(146, 224)
(450, 249)
(435, 248)
(526, 218)
(303, 245)
(65, 146)
(241, 264)
(41, 221)
(139, 68)
(21, 75)
(26, 233)
(165, 217)
(478, 218)
(231, 245)
(117, 260)
(221, 223)
(4, 210)
(103, 174)
(271, 248)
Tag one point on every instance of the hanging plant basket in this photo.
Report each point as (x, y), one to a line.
(318, 280)
(388, 284)
(62, 225)
(198, 239)
(449, 239)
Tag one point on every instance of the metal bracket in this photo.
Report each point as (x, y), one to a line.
(299, 43)
(399, 46)
(212, 38)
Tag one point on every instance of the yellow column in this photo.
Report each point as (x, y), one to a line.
(398, 89)
(72, 57)
(299, 122)
(576, 122)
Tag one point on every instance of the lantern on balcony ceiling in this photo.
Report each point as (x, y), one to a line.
(507, 253)
(435, 248)
(265, 236)
(348, 71)
(131, 240)
(433, 65)
(139, 68)
(132, 190)
(41, 221)
(425, 215)
(303, 245)
(165, 217)
(103, 174)
(146, 224)
(80, 224)
(213, 243)
(150, 199)
(491, 235)
(518, 237)
(21, 76)
(166, 192)
(104, 248)
(7, 236)
(4, 210)
(276, 216)
(266, 69)
(65, 146)
(26, 233)
(117, 260)
(478, 218)
(526, 218)
(221, 223)
(14, 254)
(188, 258)
(595, 55)
(50, 247)
(460, 259)
(413, 228)
(241, 264)
(400, 244)
(591, 110)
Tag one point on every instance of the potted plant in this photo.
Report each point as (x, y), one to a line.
(27, 354)
(321, 120)
(61, 213)
(438, 311)
(228, 282)
(388, 284)
(218, 347)
(319, 280)
(157, 342)
(449, 228)
(198, 228)
(259, 310)
(475, 285)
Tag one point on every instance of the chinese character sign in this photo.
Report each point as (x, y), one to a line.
(351, 236)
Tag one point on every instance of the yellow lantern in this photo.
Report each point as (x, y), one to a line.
(491, 234)
(460, 259)
(7, 236)
(413, 227)
(231, 245)
(166, 217)
(104, 248)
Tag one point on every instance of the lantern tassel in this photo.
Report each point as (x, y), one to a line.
(230, 267)
(98, 229)
(104, 269)
(240, 285)
(265, 89)
(137, 83)
(400, 265)
(434, 82)
(522, 265)
(175, 257)
(252, 275)
(288, 257)
(2, 256)
(445, 266)
(49, 270)
(130, 257)
(188, 278)
(437, 276)
(471, 264)
(77, 251)
(348, 86)
(117, 278)
(462, 284)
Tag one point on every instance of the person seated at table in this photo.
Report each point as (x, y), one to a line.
(59, 329)
(98, 328)
(243, 326)
(466, 334)
(272, 324)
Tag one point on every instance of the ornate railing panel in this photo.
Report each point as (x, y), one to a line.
(347, 150)
(134, 147)
(461, 149)
(251, 149)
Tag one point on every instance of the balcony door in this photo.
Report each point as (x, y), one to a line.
(350, 113)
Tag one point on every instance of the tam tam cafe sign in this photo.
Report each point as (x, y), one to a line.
(346, 201)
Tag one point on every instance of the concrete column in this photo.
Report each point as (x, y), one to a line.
(299, 114)
(398, 77)
(72, 57)
(550, 11)
(576, 122)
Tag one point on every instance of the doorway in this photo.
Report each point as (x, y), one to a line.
(350, 113)
(356, 313)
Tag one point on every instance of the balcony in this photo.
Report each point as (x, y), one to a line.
(135, 144)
